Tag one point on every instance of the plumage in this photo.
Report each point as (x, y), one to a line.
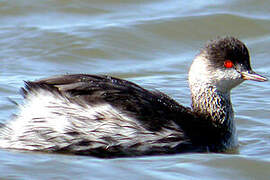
(105, 116)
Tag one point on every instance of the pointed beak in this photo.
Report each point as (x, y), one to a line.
(250, 75)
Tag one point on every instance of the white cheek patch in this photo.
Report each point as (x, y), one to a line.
(226, 79)
(202, 73)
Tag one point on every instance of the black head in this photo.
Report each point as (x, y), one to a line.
(228, 48)
(229, 52)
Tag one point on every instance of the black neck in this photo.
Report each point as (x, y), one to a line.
(211, 122)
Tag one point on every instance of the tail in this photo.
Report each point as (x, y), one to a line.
(4, 130)
(2, 126)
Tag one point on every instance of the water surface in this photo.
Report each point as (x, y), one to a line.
(151, 43)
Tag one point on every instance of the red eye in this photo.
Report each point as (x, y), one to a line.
(228, 64)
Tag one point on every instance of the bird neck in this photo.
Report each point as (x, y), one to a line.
(215, 109)
(216, 105)
(209, 97)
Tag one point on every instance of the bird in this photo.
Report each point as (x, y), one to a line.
(108, 117)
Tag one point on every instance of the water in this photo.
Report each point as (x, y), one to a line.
(150, 43)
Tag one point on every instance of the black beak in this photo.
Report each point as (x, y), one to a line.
(250, 75)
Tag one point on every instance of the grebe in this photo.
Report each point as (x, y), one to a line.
(109, 117)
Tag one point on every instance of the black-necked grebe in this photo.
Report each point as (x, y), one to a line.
(110, 117)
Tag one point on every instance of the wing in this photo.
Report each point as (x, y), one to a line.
(154, 110)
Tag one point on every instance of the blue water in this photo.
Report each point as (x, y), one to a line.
(151, 43)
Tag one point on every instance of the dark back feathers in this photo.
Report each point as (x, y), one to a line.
(153, 109)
